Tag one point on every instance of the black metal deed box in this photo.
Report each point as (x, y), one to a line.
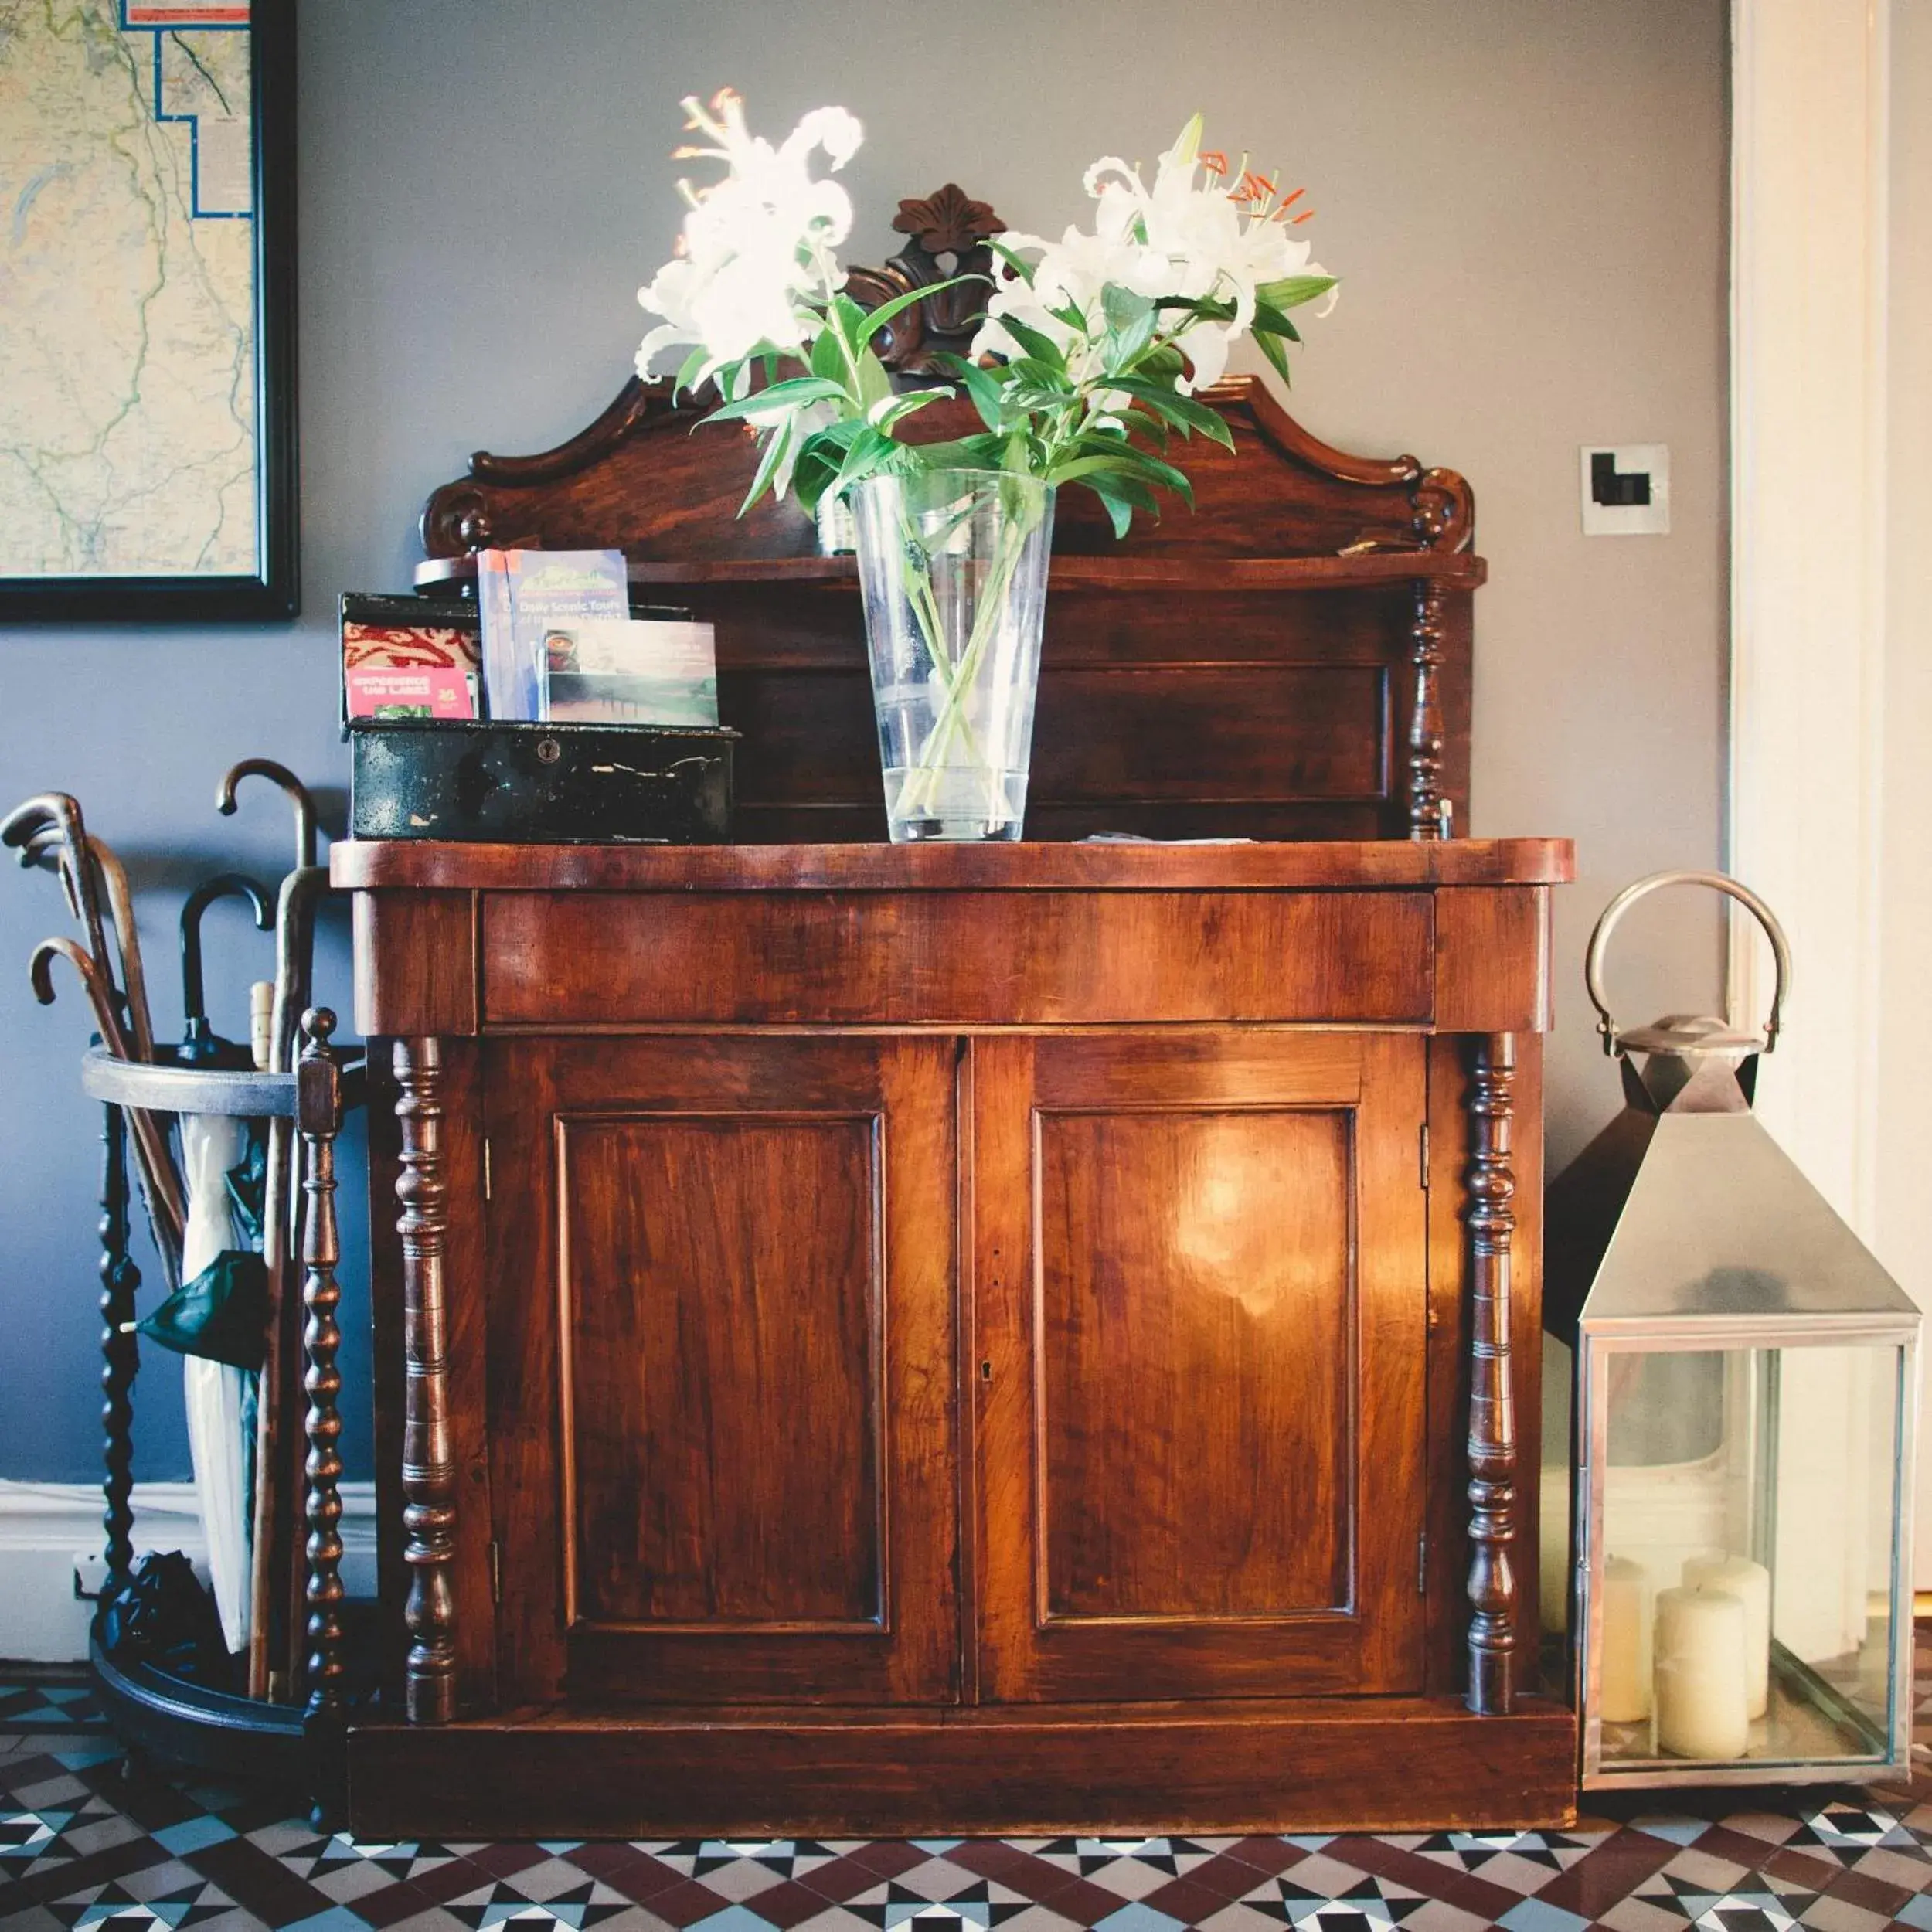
(540, 784)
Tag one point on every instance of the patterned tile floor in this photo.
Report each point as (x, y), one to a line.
(83, 1845)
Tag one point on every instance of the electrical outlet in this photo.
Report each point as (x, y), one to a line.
(1626, 489)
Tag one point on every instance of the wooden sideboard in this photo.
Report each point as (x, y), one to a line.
(946, 1339)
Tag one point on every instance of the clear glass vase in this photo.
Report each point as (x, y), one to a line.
(953, 564)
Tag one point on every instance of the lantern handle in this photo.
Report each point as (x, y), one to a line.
(1717, 882)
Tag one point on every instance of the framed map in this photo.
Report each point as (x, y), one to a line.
(147, 286)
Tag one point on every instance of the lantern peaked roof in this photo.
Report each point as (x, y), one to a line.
(1701, 1217)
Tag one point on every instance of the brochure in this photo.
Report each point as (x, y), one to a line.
(523, 595)
(635, 671)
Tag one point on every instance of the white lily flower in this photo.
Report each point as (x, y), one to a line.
(756, 245)
(1183, 236)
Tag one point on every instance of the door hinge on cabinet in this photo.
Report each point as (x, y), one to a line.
(1422, 1564)
(1424, 1158)
(496, 1571)
(486, 1167)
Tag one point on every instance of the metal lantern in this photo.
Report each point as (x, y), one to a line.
(1740, 1423)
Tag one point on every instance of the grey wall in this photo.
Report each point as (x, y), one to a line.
(1524, 198)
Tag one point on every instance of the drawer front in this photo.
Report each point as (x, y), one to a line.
(965, 958)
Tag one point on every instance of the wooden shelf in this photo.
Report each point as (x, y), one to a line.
(1192, 572)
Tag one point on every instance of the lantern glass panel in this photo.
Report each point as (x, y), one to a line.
(1749, 1515)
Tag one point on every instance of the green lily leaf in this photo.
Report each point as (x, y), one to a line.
(980, 384)
(875, 384)
(1277, 356)
(1292, 290)
(1183, 411)
(1042, 348)
(778, 445)
(1121, 496)
(1123, 307)
(828, 359)
(1269, 321)
(687, 370)
(895, 408)
(1019, 264)
(779, 399)
(870, 325)
(819, 457)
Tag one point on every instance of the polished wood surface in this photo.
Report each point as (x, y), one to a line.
(963, 958)
(722, 1369)
(1200, 1324)
(721, 1288)
(1310, 1765)
(367, 866)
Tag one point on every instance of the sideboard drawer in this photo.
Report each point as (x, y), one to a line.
(956, 958)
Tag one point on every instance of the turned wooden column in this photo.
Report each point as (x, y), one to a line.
(119, 1355)
(1425, 721)
(319, 1109)
(429, 1464)
(1492, 1409)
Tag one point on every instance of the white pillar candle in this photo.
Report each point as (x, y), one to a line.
(1623, 1683)
(1750, 1583)
(1702, 1689)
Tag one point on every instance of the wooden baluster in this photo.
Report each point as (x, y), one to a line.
(1425, 721)
(318, 1115)
(120, 1353)
(1492, 1409)
(429, 1467)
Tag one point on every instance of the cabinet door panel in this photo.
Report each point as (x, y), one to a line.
(1195, 1414)
(723, 1286)
(721, 1367)
(1200, 1312)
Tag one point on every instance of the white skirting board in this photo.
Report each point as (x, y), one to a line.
(46, 1528)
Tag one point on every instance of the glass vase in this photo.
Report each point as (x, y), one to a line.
(953, 565)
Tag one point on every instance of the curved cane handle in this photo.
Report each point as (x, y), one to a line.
(297, 794)
(1717, 882)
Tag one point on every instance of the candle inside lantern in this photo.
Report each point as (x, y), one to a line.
(1750, 1583)
(1702, 1684)
(1623, 1692)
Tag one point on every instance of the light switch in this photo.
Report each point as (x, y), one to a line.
(1626, 489)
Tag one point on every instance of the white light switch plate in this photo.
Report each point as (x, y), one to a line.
(1627, 461)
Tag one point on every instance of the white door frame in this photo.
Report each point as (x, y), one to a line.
(1810, 164)
(1809, 170)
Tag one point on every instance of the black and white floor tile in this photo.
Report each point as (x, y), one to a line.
(83, 1844)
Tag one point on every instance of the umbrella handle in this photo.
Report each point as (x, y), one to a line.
(298, 795)
(193, 1001)
(1717, 882)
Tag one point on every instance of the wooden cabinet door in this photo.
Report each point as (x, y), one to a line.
(1200, 1314)
(721, 1367)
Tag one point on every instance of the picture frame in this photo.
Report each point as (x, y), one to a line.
(239, 575)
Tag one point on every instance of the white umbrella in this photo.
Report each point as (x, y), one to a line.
(220, 1400)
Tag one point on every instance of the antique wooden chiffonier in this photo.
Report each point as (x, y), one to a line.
(903, 1338)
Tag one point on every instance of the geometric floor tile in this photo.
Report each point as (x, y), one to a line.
(1473, 1850)
(81, 1846)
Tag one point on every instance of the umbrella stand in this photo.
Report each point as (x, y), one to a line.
(214, 1730)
